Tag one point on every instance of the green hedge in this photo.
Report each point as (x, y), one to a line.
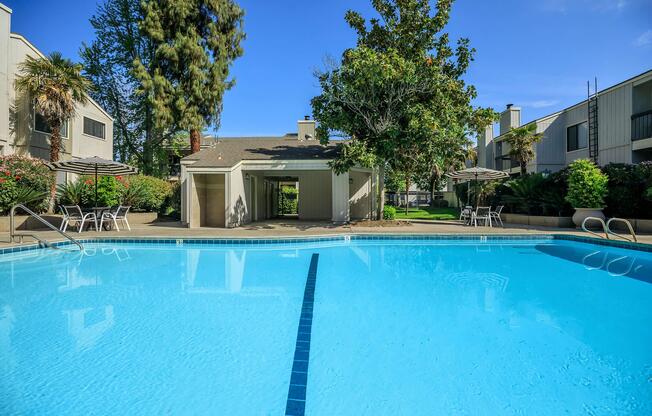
(24, 180)
(626, 187)
(142, 193)
(288, 201)
(150, 194)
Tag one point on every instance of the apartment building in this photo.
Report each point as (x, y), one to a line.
(22, 131)
(613, 125)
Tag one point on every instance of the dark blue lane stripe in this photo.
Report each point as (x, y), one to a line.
(296, 404)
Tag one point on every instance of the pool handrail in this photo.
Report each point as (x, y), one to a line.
(13, 234)
(601, 221)
(629, 227)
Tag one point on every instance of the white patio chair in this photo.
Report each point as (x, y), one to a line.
(483, 214)
(120, 213)
(495, 215)
(72, 213)
(64, 218)
(466, 214)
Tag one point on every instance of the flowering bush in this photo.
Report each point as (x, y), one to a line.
(24, 180)
(143, 193)
(108, 191)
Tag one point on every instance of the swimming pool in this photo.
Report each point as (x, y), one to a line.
(334, 326)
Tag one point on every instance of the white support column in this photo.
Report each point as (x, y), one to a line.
(186, 189)
(340, 197)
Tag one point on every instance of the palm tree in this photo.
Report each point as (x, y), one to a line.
(55, 85)
(521, 142)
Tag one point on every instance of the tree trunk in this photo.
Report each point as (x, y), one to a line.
(55, 150)
(407, 194)
(523, 168)
(381, 191)
(432, 192)
(195, 141)
(148, 157)
(148, 152)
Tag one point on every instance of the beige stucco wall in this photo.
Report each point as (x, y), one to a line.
(237, 212)
(5, 22)
(314, 192)
(207, 200)
(340, 197)
(17, 133)
(360, 195)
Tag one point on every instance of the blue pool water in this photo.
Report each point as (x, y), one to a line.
(383, 327)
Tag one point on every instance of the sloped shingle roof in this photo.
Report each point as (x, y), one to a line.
(228, 152)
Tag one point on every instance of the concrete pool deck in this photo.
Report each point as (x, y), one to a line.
(294, 228)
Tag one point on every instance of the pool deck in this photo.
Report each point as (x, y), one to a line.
(293, 228)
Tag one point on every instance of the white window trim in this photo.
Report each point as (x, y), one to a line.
(587, 138)
(67, 136)
(90, 135)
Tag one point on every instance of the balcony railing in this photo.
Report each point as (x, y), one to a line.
(506, 162)
(642, 125)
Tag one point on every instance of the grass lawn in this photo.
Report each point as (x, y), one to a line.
(428, 213)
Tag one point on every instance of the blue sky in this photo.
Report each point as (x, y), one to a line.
(535, 54)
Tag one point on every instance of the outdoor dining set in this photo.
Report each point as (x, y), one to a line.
(485, 215)
(74, 215)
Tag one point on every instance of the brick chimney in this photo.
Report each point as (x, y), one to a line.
(306, 129)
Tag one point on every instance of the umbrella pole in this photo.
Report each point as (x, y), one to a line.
(96, 186)
(477, 194)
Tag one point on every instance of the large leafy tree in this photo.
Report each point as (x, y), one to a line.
(195, 43)
(109, 62)
(521, 142)
(399, 94)
(56, 86)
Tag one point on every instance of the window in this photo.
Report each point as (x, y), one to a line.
(577, 137)
(41, 125)
(94, 128)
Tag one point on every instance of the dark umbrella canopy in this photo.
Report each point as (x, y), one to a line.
(93, 166)
(477, 174)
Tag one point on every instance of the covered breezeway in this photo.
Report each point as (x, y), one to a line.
(248, 192)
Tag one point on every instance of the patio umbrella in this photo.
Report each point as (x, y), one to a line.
(477, 174)
(93, 166)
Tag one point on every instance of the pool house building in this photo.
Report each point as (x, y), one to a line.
(235, 181)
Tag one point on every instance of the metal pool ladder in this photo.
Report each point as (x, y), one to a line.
(606, 227)
(14, 235)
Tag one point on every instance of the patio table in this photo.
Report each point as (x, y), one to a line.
(107, 226)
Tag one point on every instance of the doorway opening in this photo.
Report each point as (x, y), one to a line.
(283, 197)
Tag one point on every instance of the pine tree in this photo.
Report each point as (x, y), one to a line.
(195, 43)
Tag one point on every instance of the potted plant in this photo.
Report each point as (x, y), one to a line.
(587, 188)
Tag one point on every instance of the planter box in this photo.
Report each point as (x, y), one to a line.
(538, 220)
(643, 226)
(24, 222)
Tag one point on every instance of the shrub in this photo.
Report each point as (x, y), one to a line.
(440, 203)
(526, 194)
(288, 202)
(108, 191)
(145, 193)
(627, 186)
(389, 213)
(172, 205)
(71, 193)
(587, 185)
(24, 180)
